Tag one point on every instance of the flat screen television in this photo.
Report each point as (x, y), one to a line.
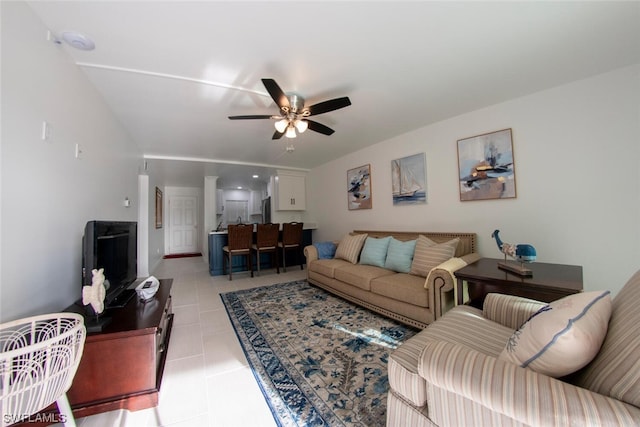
(112, 245)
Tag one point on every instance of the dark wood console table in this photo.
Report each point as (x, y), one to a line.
(122, 366)
(549, 282)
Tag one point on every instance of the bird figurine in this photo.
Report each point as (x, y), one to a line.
(521, 252)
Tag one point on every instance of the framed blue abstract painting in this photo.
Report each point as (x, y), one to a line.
(486, 168)
(359, 188)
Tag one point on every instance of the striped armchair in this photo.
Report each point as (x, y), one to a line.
(450, 375)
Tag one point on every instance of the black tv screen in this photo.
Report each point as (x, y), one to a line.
(112, 245)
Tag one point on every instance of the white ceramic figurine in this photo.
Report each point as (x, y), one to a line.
(95, 293)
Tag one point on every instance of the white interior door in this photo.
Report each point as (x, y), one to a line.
(183, 232)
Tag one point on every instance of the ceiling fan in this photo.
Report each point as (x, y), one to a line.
(293, 113)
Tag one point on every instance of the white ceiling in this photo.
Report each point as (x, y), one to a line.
(173, 71)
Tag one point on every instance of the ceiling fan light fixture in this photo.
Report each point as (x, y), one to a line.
(292, 117)
(291, 132)
(281, 125)
(302, 125)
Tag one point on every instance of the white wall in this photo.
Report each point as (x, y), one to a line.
(150, 238)
(237, 195)
(576, 151)
(210, 191)
(47, 194)
(143, 225)
(156, 235)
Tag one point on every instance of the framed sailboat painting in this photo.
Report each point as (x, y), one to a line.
(409, 180)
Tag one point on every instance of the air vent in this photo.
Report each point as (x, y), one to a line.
(77, 40)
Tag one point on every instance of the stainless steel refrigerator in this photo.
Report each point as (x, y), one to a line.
(266, 210)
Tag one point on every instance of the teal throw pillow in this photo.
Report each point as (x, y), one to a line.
(400, 255)
(326, 250)
(374, 251)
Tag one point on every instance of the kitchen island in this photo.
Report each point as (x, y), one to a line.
(218, 239)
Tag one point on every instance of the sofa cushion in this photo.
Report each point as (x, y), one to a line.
(402, 287)
(360, 275)
(327, 267)
(374, 251)
(429, 254)
(326, 250)
(563, 336)
(399, 255)
(350, 246)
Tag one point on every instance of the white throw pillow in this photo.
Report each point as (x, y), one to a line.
(563, 336)
(350, 246)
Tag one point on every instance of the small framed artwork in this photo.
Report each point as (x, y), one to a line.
(485, 166)
(359, 188)
(158, 208)
(409, 180)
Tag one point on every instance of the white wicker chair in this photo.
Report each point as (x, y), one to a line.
(39, 357)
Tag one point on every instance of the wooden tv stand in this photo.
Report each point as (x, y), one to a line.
(122, 366)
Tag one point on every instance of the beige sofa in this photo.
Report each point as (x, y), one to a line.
(453, 373)
(401, 296)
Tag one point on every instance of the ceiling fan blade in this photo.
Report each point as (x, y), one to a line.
(250, 117)
(319, 127)
(276, 93)
(330, 105)
(277, 135)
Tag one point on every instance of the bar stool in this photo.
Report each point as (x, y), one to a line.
(291, 240)
(267, 241)
(240, 239)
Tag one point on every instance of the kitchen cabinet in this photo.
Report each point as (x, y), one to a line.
(290, 192)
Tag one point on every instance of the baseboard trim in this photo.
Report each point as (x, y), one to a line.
(187, 255)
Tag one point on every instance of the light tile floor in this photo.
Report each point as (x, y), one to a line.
(207, 380)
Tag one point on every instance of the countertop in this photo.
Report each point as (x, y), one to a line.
(305, 226)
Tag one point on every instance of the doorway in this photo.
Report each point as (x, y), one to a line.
(182, 230)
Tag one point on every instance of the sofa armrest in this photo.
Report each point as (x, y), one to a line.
(311, 253)
(471, 258)
(441, 279)
(518, 393)
(508, 310)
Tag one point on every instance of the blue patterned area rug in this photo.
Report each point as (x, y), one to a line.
(319, 360)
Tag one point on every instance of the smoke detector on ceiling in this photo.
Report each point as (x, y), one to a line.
(77, 40)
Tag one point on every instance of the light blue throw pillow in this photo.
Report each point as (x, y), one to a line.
(400, 255)
(374, 251)
(326, 250)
